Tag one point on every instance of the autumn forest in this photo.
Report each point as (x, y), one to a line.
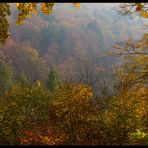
(73, 74)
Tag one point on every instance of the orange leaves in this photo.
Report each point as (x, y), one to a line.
(139, 6)
(134, 8)
(51, 140)
(141, 9)
(29, 137)
(143, 14)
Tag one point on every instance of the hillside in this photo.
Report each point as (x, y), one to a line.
(69, 35)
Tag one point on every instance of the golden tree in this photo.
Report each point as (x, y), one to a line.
(74, 113)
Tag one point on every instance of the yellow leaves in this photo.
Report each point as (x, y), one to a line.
(134, 71)
(70, 96)
(4, 11)
(108, 117)
(30, 6)
(143, 14)
(144, 41)
(137, 135)
(47, 140)
(23, 13)
(25, 10)
(82, 90)
(73, 93)
(134, 8)
(34, 8)
(38, 83)
(77, 5)
(28, 15)
(46, 8)
(146, 36)
(17, 4)
(71, 106)
(140, 9)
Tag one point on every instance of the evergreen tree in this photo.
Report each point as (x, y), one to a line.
(5, 77)
(53, 79)
(23, 79)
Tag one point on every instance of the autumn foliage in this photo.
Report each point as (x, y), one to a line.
(41, 108)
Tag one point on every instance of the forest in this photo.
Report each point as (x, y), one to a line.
(73, 74)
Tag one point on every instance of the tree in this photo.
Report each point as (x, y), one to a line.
(53, 79)
(135, 56)
(4, 11)
(5, 77)
(123, 115)
(134, 9)
(132, 89)
(133, 77)
(74, 113)
(139, 137)
(22, 78)
(22, 108)
(25, 10)
(25, 59)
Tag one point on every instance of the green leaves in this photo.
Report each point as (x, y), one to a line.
(53, 79)
(139, 137)
(21, 107)
(5, 77)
